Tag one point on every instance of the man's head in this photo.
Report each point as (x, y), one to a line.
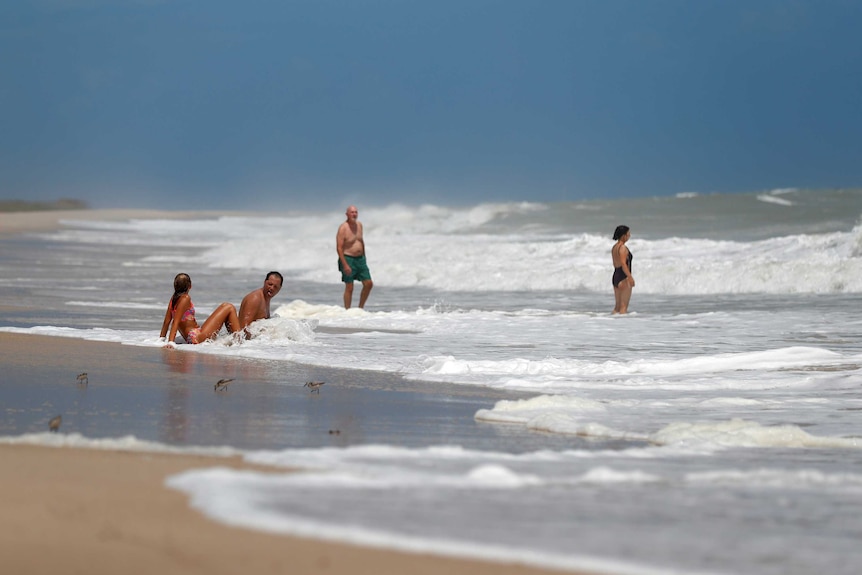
(352, 213)
(272, 284)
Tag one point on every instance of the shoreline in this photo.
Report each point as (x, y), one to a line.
(12, 223)
(106, 509)
(104, 512)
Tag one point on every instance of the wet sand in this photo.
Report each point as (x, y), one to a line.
(106, 512)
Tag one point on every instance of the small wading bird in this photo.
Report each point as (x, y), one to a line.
(222, 384)
(314, 385)
(55, 422)
(83, 379)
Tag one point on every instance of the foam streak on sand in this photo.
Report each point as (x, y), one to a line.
(207, 491)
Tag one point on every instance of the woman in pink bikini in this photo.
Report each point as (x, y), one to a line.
(181, 307)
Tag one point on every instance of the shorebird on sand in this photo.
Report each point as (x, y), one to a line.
(314, 385)
(54, 424)
(222, 384)
(83, 379)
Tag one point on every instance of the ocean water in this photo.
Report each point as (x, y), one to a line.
(715, 429)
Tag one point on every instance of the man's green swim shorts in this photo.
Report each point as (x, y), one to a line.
(358, 269)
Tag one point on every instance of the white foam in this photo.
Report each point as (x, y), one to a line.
(299, 309)
(603, 420)
(771, 199)
(412, 247)
(499, 476)
(777, 478)
(605, 475)
(280, 331)
(741, 433)
(523, 410)
(551, 368)
(125, 443)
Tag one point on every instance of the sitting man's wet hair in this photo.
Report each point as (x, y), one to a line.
(278, 275)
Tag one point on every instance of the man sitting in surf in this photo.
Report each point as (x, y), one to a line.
(255, 305)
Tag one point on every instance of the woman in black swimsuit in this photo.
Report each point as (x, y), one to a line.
(622, 280)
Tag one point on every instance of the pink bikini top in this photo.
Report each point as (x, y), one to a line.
(188, 314)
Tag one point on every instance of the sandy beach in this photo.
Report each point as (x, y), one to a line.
(45, 220)
(104, 512)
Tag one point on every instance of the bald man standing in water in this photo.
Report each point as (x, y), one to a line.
(350, 245)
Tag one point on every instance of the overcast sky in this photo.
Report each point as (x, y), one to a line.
(216, 104)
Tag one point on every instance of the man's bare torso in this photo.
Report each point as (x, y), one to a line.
(352, 243)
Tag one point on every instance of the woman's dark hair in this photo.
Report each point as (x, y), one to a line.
(620, 232)
(182, 284)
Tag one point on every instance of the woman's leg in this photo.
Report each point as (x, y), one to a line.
(617, 300)
(625, 291)
(223, 315)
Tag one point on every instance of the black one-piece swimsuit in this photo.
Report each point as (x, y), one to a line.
(619, 274)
